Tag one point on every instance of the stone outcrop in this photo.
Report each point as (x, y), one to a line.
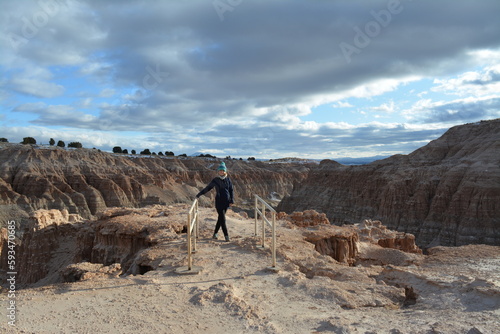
(305, 218)
(339, 243)
(445, 193)
(342, 243)
(59, 246)
(48, 232)
(375, 232)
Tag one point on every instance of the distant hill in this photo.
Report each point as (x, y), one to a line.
(360, 161)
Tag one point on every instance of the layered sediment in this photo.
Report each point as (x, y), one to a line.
(445, 193)
(85, 181)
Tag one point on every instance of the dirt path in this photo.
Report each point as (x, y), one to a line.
(235, 293)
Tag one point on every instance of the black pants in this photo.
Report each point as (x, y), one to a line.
(221, 221)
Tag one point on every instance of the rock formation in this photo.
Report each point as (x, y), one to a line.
(60, 247)
(48, 232)
(375, 232)
(339, 243)
(343, 243)
(445, 193)
(85, 181)
(57, 245)
(306, 218)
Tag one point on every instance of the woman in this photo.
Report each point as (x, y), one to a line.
(223, 199)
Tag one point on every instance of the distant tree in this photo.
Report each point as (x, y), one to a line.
(251, 158)
(241, 159)
(160, 153)
(133, 152)
(60, 143)
(52, 142)
(117, 149)
(28, 140)
(169, 153)
(75, 144)
(207, 156)
(4, 140)
(154, 153)
(228, 157)
(125, 151)
(183, 155)
(146, 151)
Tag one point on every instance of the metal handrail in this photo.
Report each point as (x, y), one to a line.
(272, 224)
(192, 231)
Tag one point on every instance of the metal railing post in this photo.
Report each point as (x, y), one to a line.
(271, 223)
(263, 224)
(192, 235)
(273, 246)
(197, 221)
(195, 227)
(255, 210)
(190, 260)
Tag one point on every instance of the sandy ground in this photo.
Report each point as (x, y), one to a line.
(458, 291)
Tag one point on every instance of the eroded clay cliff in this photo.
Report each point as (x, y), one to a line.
(445, 193)
(57, 246)
(86, 181)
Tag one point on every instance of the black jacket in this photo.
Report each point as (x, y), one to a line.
(224, 188)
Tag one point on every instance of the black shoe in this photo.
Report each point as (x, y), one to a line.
(227, 238)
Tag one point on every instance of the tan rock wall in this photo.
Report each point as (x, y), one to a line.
(86, 181)
(445, 193)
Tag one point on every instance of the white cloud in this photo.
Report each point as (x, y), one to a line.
(36, 81)
(385, 107)
(342, 104)
(175, 73)
(478, 83)
(449, 113)
(107, 92)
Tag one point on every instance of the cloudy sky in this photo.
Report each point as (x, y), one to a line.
(311, 79)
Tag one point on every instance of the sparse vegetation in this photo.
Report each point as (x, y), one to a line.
(60, 143)
(146, 151)
(28, 140)
(75, 144)
(52, 142)
(4, 140)
(207, 156)
(117, 149)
